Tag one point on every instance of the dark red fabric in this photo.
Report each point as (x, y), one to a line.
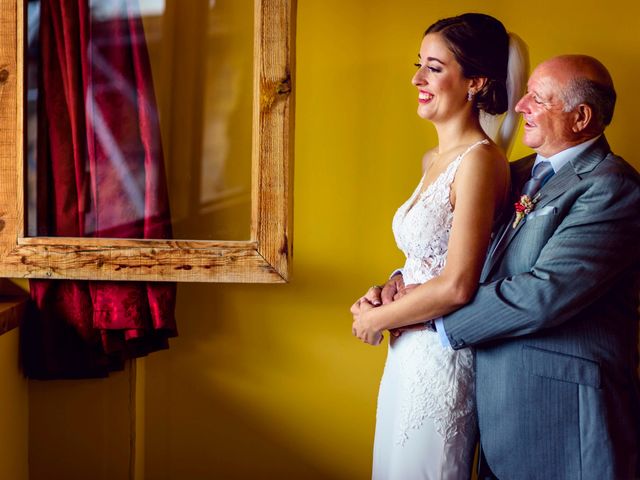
(100, 173)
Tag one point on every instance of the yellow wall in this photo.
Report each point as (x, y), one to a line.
(265, 381)
(82, 429)
(268, 378)
(15, 412)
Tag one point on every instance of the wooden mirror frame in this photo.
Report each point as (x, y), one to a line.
(265, 258)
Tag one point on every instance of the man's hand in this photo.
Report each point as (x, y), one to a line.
(393, 286)
(404, 290)
(396, 332)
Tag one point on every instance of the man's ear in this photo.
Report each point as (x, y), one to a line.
(583, 117)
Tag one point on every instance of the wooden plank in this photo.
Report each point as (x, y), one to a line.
(123, 243)
(19, 112)
(273, 130)
(169, 264)
(9, 75)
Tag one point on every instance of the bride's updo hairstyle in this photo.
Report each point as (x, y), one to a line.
(480, 45)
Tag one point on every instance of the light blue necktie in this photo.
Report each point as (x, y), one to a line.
(541, 173)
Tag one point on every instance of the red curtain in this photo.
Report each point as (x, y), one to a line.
(100, 173)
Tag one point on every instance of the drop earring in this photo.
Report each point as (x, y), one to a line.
(469, 96)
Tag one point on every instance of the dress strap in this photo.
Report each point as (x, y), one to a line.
(484, 141)
(452, 169)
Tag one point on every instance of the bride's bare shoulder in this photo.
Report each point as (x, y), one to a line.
(483, 161)
(486, 157)
(489, 151)
(427, 158)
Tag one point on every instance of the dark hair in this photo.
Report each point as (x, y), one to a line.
(480, 45)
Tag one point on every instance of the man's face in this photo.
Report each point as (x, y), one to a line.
(547, 129)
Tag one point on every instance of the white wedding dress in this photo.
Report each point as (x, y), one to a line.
(425, 425)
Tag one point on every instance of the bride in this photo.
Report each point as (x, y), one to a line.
(426, 426)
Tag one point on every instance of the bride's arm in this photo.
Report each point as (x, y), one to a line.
(478, 190)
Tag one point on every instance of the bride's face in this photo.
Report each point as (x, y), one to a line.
(442, 89)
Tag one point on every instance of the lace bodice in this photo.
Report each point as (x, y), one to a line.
(423, 223)
(432, 381)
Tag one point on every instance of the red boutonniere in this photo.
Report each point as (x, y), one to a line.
(524, 207)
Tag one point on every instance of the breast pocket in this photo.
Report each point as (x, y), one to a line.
(533, 236)
(547, 210)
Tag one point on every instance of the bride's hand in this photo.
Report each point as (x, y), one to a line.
(362, 327)
(380, 294)
(372, 297)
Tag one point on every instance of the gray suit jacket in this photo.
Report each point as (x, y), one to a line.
(555, 326)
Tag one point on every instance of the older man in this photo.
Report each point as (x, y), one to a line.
(555, 321)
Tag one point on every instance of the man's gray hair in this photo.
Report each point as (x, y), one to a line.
(600, 97)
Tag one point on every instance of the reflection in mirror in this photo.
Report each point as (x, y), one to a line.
(139, 117)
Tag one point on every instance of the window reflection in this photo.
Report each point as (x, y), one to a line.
(200, 57)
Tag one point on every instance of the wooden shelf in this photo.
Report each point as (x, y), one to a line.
(11, 312)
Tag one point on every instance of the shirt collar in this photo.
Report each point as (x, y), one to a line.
(560, 159)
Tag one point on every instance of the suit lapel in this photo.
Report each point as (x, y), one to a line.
(520, 173)
(559, 183)
(570, 175)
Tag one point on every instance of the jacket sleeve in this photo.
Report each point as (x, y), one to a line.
(596, 242)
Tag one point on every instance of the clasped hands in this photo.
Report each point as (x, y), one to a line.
(377, 296)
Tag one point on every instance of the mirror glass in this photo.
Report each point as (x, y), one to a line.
(139, 118)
